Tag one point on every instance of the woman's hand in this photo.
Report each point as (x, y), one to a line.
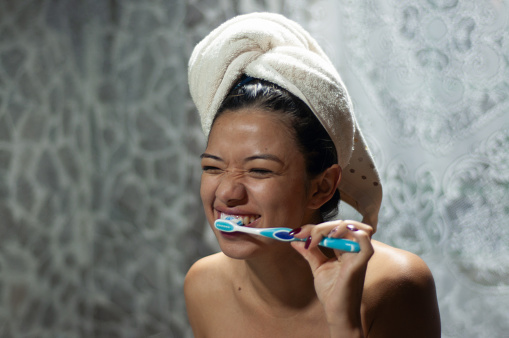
(339, 281)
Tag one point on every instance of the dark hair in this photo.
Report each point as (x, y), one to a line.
(312, 138)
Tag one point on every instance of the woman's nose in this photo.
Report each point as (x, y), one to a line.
(231, 191)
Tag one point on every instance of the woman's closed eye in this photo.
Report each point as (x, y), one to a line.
(261, 172)
(211, 169)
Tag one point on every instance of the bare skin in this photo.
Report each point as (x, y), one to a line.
(258, 287)
(398, 300)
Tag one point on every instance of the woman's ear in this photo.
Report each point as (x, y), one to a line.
(324, 186)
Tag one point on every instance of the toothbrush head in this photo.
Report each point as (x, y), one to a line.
(227, 225)
(234, 220)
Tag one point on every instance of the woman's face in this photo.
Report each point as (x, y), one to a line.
(253, 170)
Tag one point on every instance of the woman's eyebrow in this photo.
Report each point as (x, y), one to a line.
(269, 157)
(214, 157)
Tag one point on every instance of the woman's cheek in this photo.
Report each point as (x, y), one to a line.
(206, 190)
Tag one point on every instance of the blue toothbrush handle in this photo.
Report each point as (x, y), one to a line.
(340, 244)
(282, 234)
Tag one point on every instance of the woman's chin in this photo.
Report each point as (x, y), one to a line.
(251, 247)
(240, 249)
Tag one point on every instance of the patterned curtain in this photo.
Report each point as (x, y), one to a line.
(430, 83)
(100, 216)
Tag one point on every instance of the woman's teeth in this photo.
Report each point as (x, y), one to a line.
(245, 219)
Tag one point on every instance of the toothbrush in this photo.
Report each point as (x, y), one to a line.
(282, 234)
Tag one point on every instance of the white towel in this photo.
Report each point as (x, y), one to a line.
(271, 47)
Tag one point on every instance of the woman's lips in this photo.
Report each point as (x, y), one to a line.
(233, 235)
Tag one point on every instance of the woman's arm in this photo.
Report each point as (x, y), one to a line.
(339, 281)
(193, 296)
(405, 302)
(397, 289)
(204, 287)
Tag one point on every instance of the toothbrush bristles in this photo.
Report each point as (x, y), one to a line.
(234, 220)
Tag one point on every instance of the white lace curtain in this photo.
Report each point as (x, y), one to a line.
(430, 83)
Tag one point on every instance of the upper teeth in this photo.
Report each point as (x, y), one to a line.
(245, 219)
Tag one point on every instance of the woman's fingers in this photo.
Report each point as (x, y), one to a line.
(336, 229)
(314, 256)
(359, 232)
(363, 237)
(313, 234)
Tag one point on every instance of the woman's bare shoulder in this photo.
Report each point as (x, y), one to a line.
(205, 286)
(400, 294)
(390, 264)
(208, 271)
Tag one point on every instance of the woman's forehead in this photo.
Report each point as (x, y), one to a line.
(252, 129)
(255, 118)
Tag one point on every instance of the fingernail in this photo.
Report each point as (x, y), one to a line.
(295, 231)
(351, 227)
(333, 231)
(308, 241)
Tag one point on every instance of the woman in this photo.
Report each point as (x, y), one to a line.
(283, 145)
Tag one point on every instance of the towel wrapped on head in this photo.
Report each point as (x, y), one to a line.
(271, 47)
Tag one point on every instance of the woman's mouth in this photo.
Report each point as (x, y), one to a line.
(246, 219)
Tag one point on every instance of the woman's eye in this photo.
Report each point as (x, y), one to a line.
(211, 169)
(260, 171)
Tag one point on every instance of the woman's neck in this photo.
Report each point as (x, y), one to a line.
(282, 277)
(281, 280)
